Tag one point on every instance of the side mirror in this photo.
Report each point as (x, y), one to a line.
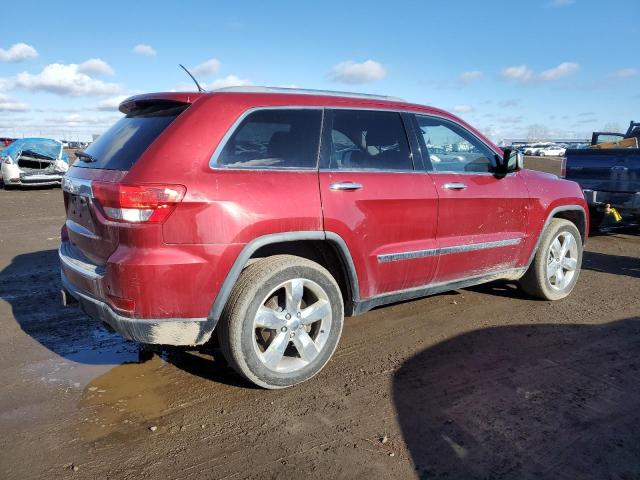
(511, 161)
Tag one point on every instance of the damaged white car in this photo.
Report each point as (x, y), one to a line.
(33, 161)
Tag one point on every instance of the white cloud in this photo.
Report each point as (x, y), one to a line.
(6, 83)
(468, 77)
(228, 81)
(111, 104)
(627, 73)
(355, 73)
(8, 104)
(209, 67)
(520, 73)
(146, 50)
(65, 80)
(561, 3)
(463, 109)
(562, 70)
(95, 66)
(17, 53)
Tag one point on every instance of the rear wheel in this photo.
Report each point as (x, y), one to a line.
(282, 322)
(556, 266)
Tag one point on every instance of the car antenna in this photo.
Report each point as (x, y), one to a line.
(200, 89)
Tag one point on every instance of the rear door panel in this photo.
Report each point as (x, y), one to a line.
(389, 224)
(393, 213)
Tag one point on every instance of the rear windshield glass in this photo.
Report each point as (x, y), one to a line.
(120, 146)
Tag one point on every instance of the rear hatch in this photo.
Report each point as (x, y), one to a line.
(92, 188)
(606, 170)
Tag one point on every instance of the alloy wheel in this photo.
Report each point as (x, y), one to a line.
(292, 325)
(562, 260)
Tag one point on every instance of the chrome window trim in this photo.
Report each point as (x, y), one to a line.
(486, 174)
(213, 161)
(223, 141)
(371, 170)
(431, 252)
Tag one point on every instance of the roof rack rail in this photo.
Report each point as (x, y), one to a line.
(305, 91)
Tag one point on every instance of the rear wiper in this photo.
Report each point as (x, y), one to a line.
(85, 157)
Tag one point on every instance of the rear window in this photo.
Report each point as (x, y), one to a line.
(120, 147)
(274, 138)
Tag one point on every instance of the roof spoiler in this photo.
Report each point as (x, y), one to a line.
(164, 99)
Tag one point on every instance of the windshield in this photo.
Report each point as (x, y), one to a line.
(43, 148)
(121, 146)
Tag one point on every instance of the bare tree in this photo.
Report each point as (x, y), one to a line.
(537, 132)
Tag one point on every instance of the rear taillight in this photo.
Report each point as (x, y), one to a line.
(563, 167)
(137, 203)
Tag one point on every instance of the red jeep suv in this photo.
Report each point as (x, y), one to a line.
(266, 215)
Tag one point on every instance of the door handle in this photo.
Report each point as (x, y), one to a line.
(345, 186)
(454, 186)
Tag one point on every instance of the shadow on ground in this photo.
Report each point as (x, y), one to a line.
(614, 264)
(541, 401)
(31, 285)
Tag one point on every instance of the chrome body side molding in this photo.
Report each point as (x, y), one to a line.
(393, 257)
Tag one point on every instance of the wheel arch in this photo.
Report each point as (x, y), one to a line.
(326, 248)
(576, 214)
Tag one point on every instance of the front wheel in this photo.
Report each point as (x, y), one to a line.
(556, 266)
(282, 322)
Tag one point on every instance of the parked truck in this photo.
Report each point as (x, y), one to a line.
(609, 175)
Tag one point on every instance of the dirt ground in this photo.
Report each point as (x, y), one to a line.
(479, 383)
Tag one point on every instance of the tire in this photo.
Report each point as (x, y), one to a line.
(246, 337)
(537, 281)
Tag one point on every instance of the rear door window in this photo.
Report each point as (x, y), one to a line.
(121, 146)
(369, 140)
(274, 138)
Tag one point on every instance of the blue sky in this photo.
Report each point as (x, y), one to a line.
(570, 66)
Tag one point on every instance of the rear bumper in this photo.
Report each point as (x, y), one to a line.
(13, 175)
(40, 180)
(164, 331)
